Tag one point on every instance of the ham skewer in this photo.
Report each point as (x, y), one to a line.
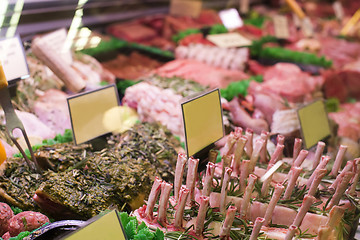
(319, 151)
(208, 179)
(340, 190)
(348, 167)
(224, 189)
(239, 149)
(291, 232)
(264, 136)
(280, 140)
(200, 220)
(229, 219)
(249, 144)
(306, 204)
(297, 148)
(300, 158)
(154, 194)
(325, 233)
(259, 144)
(191, 178)
(213, 155)
(164, 200)
(184, 192)
(256, 229)
(292, 176)
(247, 195)
(356, 177)
(279, 188)
(277, 154)
(338, 160)
(319, 174)
(245, 165)
(179, 173)
(322, 165)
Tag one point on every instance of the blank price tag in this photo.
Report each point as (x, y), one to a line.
(314, 123)
(307, 27)
(203, 121)
(191, 8)
(56, 40)
(338, 9)
(231, 18)
(107, 227)
(87, 111)
(13, 59)
(229, 40)
(281, 27)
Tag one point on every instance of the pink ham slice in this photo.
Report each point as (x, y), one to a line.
(52, 110)
(200, 72)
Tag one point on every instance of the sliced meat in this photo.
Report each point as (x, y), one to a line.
(200, 72)
(52, 110)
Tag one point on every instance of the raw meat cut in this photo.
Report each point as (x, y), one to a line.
(52, 110)
(200, 72)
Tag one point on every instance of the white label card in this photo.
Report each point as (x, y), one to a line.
(339, 10)
(281, 27)
(231, 18)
(57, 41)
(13, 59)
(307, 27)
(229, 40)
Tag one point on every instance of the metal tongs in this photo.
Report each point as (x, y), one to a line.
(13, 122)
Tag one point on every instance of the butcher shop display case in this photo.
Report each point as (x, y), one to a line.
(162, 117)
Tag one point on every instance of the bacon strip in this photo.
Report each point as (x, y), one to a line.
(356, 177)
(249, 144)
(306, 204)
(322, 165)
(319, 174)
(277, 154)
(297, 148)
(263, 154)
(291, 232)
(300, 158)
(247, 195)
(191, 178)
(184, 192)
(208, 179)
(292, 176)
(155, 190)
(319, 151)
(348, 167)
(259, 144)
(164, 200)
(229, 219)
(256, 229)
(245, 165)
(200, 220)
(179, 173)
(279, 188)
(340, 190)
(224, 189)
(338, 160)
(238, 152)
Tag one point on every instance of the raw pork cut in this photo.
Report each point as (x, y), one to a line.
(288, 81)
(200, 72)
(52, 110)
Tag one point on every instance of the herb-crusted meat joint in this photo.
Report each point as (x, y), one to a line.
(80, 182)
